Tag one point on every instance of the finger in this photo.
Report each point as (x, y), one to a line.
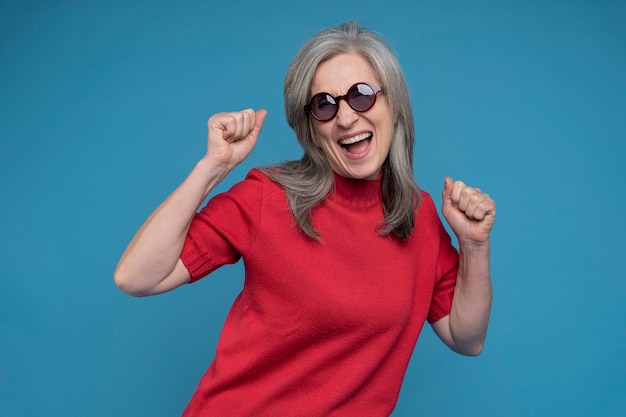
(484, 206)
(446, 193)
(448, 185)
(238, 125)
(228, 126)
(489, 206)
(457, 191)
(476, 207)
(259, 119)
(222, 125)
(480, 211)
(468, 199)
(252, 123)
(217, 123)
(243, 123)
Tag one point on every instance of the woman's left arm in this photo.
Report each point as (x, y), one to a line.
(470, 214)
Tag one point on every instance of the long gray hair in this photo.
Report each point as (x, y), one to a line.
(309, 180)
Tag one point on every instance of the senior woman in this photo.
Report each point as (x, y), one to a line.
(345, 257)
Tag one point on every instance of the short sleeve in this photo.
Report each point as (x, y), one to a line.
(225, 228)
(447, 268)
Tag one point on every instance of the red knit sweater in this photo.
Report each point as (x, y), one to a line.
(319, 329)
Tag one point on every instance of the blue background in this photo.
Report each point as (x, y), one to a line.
(103, 112)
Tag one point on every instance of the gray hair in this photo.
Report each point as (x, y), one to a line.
(309, 180)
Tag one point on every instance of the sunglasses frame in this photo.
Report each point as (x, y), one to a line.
(309, 107)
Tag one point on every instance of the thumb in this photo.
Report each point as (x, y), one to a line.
(446, 194)
(259, 118)
(448, 186)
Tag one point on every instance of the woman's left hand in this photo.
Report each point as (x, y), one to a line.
(469, 212)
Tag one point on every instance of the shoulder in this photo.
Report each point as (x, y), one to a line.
(426, 204)
(244, 198)
(255, 186)
(429, 227)
(256, 178)
(427, 215)
(249, 189)
(262, 175)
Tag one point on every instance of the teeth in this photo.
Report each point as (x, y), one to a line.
(355, 139)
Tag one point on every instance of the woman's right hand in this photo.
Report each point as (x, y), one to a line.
(233, 135)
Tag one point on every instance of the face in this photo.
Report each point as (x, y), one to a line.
(355, 144)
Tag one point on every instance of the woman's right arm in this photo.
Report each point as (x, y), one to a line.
(151, 262)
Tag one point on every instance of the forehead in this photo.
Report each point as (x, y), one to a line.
(337, 74)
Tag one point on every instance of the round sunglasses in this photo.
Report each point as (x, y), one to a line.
(360, 97)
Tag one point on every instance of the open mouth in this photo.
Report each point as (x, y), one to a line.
(356, 144)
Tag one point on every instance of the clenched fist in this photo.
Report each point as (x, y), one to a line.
(469, 212)
(232, 135)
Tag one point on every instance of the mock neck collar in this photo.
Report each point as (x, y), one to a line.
(357, 193)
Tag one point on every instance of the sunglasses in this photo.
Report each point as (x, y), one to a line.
(360, 97)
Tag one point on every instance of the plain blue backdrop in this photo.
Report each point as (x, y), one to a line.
(103, 109)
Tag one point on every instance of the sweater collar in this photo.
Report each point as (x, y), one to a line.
(357, 193)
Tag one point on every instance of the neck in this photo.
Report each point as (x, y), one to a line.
(357, 193)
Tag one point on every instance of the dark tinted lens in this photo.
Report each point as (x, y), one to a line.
(361, 97)
(323, 106)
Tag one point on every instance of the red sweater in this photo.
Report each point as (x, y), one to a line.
(319, 329)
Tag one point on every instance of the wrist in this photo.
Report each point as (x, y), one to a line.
(208, 173)
(474, 247)
(212, 167)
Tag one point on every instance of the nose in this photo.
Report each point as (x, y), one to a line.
(346, 115)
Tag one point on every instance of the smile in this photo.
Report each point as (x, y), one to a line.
(356, 144)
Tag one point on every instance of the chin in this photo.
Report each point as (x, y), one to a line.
(365, 175)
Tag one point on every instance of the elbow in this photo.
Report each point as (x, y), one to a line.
(472, 350)
(127, 284)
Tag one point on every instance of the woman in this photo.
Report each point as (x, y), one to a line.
(345, 257)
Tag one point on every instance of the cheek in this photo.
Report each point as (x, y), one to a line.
(314, 133)
(386, 131)
(319, 135)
